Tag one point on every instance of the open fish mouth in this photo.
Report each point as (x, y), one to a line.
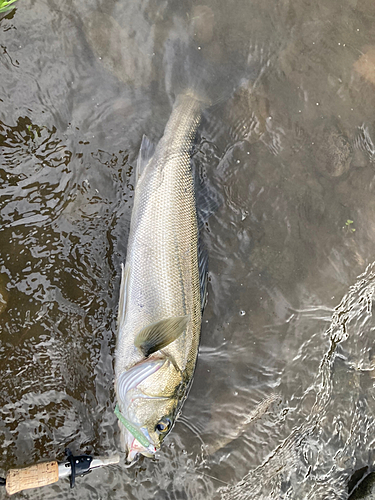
(134, 440)
(135, 450)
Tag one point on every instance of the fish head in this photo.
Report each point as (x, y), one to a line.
(148, 401)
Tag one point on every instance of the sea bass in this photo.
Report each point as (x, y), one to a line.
(162, 288)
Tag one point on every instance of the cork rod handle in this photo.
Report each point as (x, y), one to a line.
(31, 477)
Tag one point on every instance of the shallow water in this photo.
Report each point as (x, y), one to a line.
(290, 146)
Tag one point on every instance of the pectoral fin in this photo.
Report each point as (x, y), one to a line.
(158, 335)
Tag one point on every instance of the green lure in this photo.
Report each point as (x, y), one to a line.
(139, 436)
(6, 6)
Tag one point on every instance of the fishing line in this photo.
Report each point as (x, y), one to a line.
(207, 475)
(191, 427)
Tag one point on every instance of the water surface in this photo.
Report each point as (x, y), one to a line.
(288, 326)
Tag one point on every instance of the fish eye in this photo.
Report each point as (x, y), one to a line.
(163, 425)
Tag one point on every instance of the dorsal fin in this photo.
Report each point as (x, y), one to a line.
(122, 299)
(158, 335)
(146, 152)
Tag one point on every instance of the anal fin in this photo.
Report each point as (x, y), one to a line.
(207, 198)
(203, 270)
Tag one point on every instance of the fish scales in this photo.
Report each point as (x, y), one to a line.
(161, 277)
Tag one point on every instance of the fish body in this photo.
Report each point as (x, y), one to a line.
(160, 304)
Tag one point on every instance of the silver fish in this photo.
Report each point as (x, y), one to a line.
(160, 306)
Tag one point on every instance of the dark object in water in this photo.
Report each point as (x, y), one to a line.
(361, 484)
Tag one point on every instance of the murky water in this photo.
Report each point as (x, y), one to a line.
(289, 322)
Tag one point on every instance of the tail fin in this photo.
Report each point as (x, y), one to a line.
(187, 67)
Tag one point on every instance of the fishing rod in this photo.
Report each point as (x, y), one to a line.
(46, 473)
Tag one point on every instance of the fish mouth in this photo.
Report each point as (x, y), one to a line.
(133, 447)
(134, 450)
